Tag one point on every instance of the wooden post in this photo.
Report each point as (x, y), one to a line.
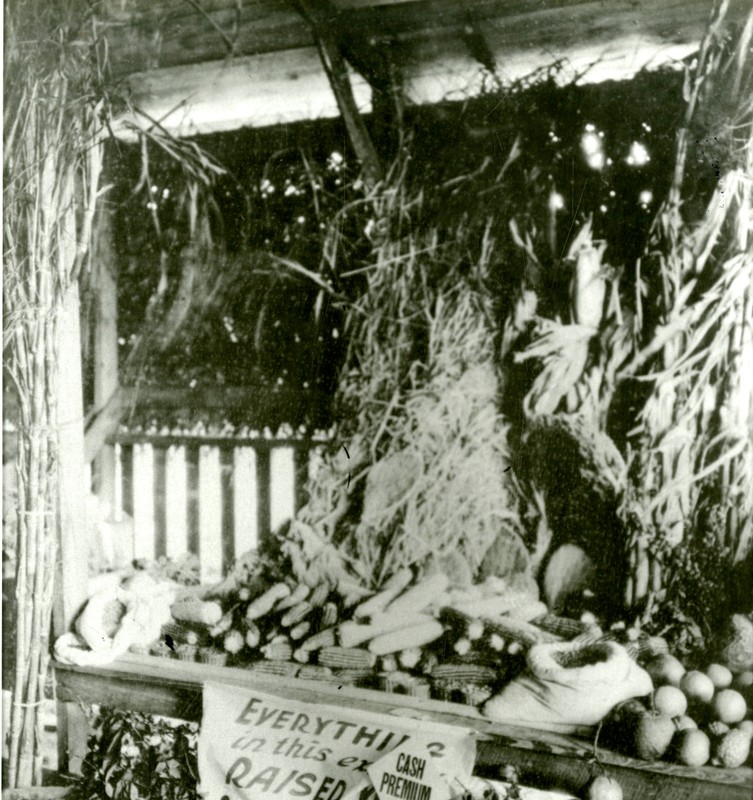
(319, 14)
(105, 348)
(73, 567)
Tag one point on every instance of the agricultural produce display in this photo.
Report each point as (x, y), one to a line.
(493, 645)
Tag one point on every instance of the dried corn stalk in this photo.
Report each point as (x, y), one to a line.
(694, 432)
(52, 162)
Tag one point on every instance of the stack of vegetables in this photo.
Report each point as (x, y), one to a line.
(423, 637)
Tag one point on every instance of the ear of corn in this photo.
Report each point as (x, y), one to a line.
(320, 594)
(352, 633)
(516, 630)
(296, 614)
(277, 651)
(375, 604)
(529, 611)
(413, 636)
(253, 635)
(191, 609)
(300, 630)
(298, 595)
(302, 656)
(465, 673)
(461, 623)
(410, 657)
(416, 598)
(346, 657)
(282, 669)
(264, 603)
(328, 615)
(561, 626)
(324, 638)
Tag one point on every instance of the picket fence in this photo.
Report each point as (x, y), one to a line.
(215, 496)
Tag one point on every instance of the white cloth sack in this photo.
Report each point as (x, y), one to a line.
(569, 685)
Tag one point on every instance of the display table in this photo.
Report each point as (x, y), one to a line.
(545, 759)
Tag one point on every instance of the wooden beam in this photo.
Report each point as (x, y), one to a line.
(73, 575)
(275, 76)
(105, 347)
(544, 758)
(319, 14)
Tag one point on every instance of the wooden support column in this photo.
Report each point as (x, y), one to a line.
(105, 347)
(320, 15)
(73, 568)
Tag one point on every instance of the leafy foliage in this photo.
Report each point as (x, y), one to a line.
(135, 756)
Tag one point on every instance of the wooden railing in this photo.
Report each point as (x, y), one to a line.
(212, 494)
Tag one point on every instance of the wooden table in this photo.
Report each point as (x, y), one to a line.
(545, 759)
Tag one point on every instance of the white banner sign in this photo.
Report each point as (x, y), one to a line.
(256, 746)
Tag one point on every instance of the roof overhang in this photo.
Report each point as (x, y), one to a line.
(257, 64)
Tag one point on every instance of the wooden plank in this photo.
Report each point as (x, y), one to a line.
(545, 758)
(278, 79)
(245, 500)
(197, 440)
(210, 515)
(176, 502)
(282, 486)
(169, 34)
(105, 350)
(143, 501)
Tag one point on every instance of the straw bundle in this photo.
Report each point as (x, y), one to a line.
(427, 448)
(52, 162)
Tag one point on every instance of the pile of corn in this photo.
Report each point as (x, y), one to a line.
(424, 638)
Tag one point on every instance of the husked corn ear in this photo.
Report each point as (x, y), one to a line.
(353, 633)
(529, 611)
(462, 646)
(409, 657)
(461, 623)
(388, 663)
(416, 635)
(329, 614)
(296, 614)
(517, 630)
(302, 656)
(352, 657)
(224, 624)
(356, 677)
(264, 603)
(278, 651)
(561, 626)
(496, 642)
(300, 630)
(181, 632)
(378, 602)
(416, 598)
(324, 638)
(253, 635)
(315, 672)
(467, 673)
(282, 669)
(191, 609)
(320, 594)
(429, 660)
(404, 683)
(298, 595)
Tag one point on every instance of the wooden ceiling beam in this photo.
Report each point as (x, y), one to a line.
(187, 80)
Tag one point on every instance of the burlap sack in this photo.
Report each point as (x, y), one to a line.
(569, 686)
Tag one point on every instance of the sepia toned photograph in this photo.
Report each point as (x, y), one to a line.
(377, 400)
